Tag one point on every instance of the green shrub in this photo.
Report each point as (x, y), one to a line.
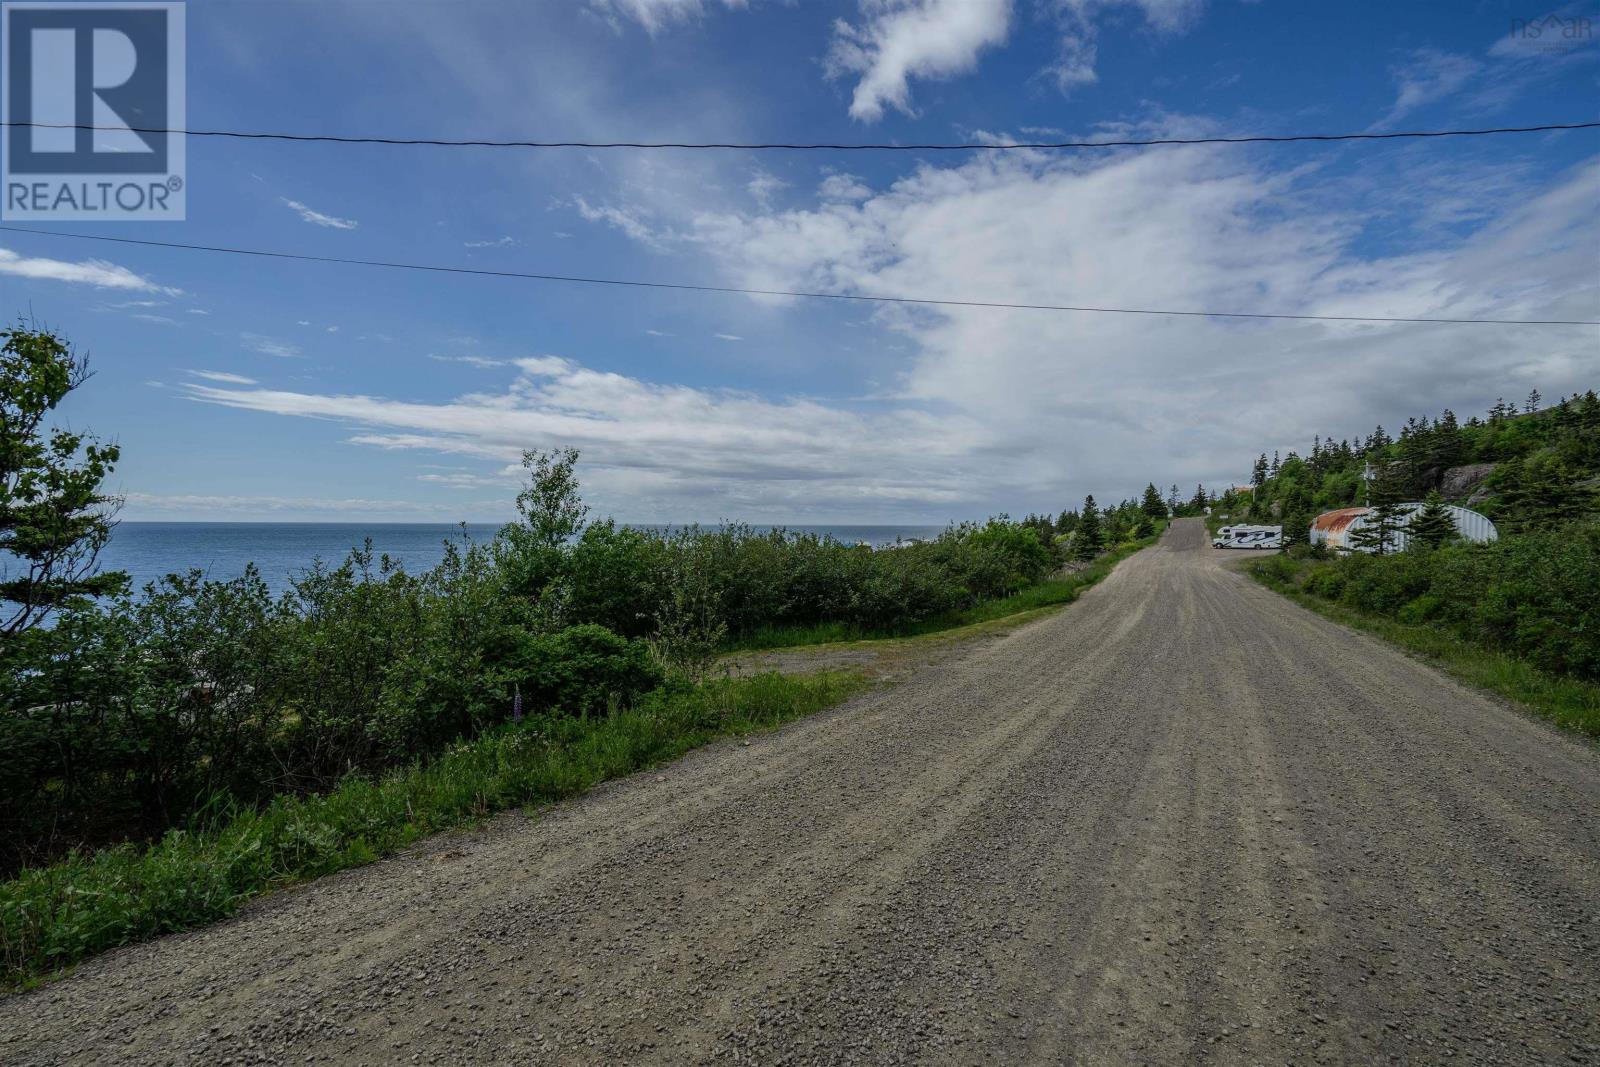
(1534, 595)
(1325, 582)
(53, 916)
(582, 670)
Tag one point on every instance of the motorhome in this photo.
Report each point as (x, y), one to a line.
(1248, 537)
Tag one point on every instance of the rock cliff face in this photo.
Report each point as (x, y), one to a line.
(1467, 481)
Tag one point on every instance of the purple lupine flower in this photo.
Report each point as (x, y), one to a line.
(516, 704)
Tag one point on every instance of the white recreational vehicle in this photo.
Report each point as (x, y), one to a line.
(1248, 537)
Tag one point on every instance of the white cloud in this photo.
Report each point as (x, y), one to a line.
(1428, 75)
(498, 242)
(95, 272)
(223, 376)
(654, 15)
(509, 477)
(1078, 51)
(471, 361)
(317, 218)
(667, 451)
(1059, 394)
(728, 337)
(897, 40)
(658, 333)
(631, 221)
(763, 186)
(269, 346)
(198, 311)
(140, 504)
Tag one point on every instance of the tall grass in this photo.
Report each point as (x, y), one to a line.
(54, 916)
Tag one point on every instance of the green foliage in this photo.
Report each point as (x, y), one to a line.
(135, 715)
(1380, 528)
(582, 670)
(53, 916)
(1152, 504)
(1088, 540)
(1569, 702)
(1433, 525)
(54, 518)
(1533, 596)
(1542, 460)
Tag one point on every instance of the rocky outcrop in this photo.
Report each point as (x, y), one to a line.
(1465, 482)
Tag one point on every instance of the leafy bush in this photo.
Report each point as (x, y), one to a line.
(149, 712)
(1533, 595)
(54, 915)
(582, 670)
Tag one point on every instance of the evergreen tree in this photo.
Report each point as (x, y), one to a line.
(1532, 403)
(1200, 501)
(1541, 492)
(1433, 525)
(1259, 474)
(1088, 539)
(1152, 504)
(54, 516)
(1385, 493)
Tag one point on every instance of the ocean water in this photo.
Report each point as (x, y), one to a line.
(280, 550)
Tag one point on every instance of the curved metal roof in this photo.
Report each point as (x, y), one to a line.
(1334, 521)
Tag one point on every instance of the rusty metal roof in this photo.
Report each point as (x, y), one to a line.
(1334, 521)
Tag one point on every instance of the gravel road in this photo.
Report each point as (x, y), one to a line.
(1182, 821)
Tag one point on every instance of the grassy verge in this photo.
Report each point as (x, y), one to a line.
(1051, 593)
(1567, 702)
(52, 917)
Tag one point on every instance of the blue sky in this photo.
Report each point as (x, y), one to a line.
(248, 389)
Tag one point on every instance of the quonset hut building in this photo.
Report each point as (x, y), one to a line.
(1336, 529)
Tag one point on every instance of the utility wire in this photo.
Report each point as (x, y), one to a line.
(961, 146)
(632, 283)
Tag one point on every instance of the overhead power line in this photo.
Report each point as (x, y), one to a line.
(958, 146)
(860, 298)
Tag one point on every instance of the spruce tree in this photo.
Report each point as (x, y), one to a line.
(1433, 525)
(1088, 539)
(1152, 504)
(1382, 522)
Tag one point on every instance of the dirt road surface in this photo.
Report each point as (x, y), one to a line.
(1183, 821)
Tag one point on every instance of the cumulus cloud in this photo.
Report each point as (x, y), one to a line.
(95, 272)
(990, 409)
(317, 218)
(1197, 229)
(897, 40)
